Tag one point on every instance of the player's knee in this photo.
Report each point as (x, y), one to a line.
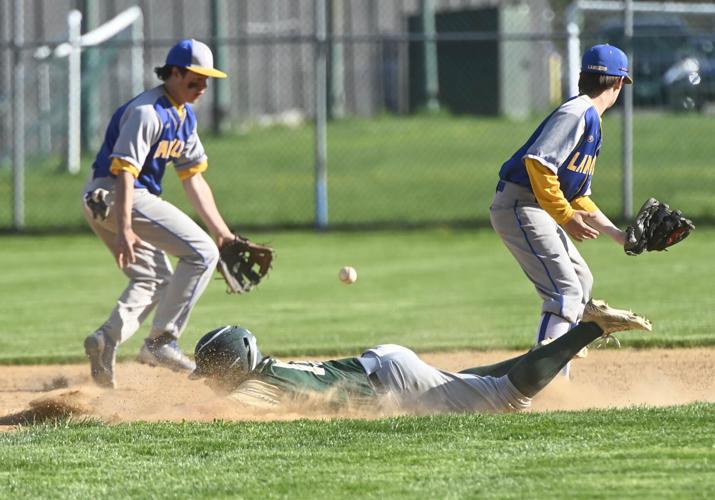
(206, 254)
(572, 306)
(211, 256)
(586, 284)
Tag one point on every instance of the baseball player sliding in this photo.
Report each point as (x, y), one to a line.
(542, 198)
(122, 206)
(229, 360)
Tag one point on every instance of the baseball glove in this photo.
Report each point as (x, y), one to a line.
(96, 202)
(656, 227)
(243, 264)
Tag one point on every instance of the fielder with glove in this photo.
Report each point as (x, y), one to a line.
(656, 227)
(543, 198)
(150, 134)
(243, 264)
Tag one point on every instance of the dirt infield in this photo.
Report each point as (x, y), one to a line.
(605, 379)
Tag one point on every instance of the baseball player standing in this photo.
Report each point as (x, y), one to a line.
(123, 207)
(542, 198)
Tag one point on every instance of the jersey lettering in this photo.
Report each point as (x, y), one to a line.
(169, 149)
(162, 150)
(304, 366)
(587, 165)
(177, 148)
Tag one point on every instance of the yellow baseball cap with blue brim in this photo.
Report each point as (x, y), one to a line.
(195, 56)
(606, 59)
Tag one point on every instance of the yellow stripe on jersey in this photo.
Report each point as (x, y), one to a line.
(179, 107)
(119, 165)
(187, 173)
(584, 203)
(547, 191)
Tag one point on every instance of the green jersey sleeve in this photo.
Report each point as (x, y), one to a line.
(336, 382)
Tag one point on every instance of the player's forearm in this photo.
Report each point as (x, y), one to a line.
(548, 194)
(123, 199)
(604, 225)
(201, 198)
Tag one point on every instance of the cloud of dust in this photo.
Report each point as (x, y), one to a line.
(605, 379)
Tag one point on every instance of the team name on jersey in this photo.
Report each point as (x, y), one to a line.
(303, 366)
(586, 166)
(169, 149)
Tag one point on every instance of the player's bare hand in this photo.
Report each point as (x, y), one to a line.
(579, 228)
(221, 240)
(126, 241)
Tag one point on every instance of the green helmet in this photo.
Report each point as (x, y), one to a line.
(225, 351)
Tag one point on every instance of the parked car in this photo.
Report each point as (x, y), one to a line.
(690, 82)
(660, 42)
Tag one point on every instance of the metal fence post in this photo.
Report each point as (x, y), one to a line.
(74, 92)
(337, 67)
(573, 57)
(44, 102)
(89, 123)
(221, 98)
(6, 62)
(18, 117)
(137, 52)
(627, 91)
(321, 116)
(430, 54)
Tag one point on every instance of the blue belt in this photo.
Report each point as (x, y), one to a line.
(500, 186)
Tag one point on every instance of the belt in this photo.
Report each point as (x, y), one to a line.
(500, 186)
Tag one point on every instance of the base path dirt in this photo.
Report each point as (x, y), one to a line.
(605, 379)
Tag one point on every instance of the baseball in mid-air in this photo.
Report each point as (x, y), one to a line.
(347, 275)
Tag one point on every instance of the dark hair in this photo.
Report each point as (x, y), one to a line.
(593, 84)
(164, 72)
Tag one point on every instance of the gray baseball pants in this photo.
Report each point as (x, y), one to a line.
(152, 284)
(421, 388)
(544, 251)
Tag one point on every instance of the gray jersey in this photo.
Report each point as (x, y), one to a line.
(561, 134)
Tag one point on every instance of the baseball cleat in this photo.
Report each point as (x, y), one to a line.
(612, 320)
(164, 351)
(102, 353)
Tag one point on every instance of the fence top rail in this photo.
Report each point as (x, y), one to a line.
(660, 7)
(45, 46)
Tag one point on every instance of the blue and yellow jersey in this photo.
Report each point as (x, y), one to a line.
(567, 143)
(146, 134)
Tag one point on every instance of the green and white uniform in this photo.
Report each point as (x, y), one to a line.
(336, 382)
(386, 371)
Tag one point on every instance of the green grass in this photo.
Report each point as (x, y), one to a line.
(431, 290)
(418, 169)
(632, 453)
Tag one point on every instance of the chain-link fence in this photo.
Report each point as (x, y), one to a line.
(423, 109)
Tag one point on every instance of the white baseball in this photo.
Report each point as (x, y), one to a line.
(347, 275)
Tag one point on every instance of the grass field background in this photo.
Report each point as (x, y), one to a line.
(633, 453)
(431, 290)
(397, 170)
